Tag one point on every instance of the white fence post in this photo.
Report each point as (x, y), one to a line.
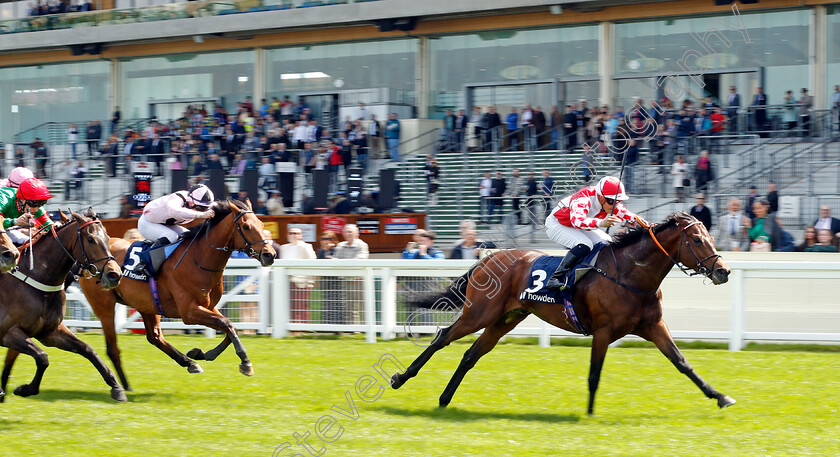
(265, 298)
(736, 318)
(389, 303)
(120, 316)
(545, 334)
(280, 302)
(370, 305)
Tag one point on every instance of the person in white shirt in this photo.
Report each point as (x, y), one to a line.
(299, 134)
(485, 189)
(73, 138)
(296, 248)
(362, 112)
(731, 233)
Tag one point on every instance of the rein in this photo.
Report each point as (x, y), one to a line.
(248, 249)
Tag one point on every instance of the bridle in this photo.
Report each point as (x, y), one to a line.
(87, 264)
(699, 269)
(248, 249)
(236, 227)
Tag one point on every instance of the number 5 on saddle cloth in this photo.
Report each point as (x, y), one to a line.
(139, 254)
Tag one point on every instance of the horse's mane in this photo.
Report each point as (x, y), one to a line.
(222, 209)
(635, 234)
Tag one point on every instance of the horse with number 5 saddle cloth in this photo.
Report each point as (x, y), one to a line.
(619, 296)
(186, 283)
(139, 254)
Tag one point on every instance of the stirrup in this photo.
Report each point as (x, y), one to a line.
(556, 283)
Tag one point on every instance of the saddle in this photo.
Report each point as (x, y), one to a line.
(140, 254)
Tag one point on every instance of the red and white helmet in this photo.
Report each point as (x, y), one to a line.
(611, 187)
(200, 195)
(19, 175)
(33, 190)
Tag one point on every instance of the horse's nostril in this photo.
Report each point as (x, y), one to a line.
(10, 255)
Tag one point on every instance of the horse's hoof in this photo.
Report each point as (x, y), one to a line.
(247, 369)
(396, 383)
(26, 391)
(725, 401)
(196, 354)
(118, 394)
(195, 368)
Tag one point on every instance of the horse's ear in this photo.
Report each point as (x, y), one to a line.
(64, 218)
(234, 208)
(248, 203)
(90, 213)
(77, 216)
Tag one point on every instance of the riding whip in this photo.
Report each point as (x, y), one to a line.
(31, 248)
(618, 189)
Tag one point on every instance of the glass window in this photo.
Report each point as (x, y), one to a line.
(67, 92)
(778, 45)
(506, 55)
(376, 72)
(227, 75)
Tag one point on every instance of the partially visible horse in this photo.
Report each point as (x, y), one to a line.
(9, 254)
(620, 296)
(32, 301)
(189, 289)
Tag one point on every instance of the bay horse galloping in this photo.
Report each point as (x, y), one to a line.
(620, 297)
(189, 285)
(32, 301)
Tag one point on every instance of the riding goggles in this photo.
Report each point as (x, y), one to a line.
(35, 203)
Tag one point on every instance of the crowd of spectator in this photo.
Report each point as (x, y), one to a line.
(58, 7)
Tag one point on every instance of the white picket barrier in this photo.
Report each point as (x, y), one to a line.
(763, 301)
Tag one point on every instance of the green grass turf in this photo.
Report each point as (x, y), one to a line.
(520, 400)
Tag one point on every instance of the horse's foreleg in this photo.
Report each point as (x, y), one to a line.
(17, 340)
(110, 332)
(154, 335)
(661, 337)
(214, 319)
(11, 356)
(600, 342)
(65, 340)
(484, 344)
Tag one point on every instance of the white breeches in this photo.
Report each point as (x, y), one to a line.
(152, 231)
(17, 236)
(570, 237)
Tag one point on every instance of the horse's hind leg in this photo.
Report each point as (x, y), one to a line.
(484, 344)
(17, 340)
(65, 340)
(11, 356)
(154, 335)
(661, 337)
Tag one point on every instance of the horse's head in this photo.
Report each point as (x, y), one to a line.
(697, 249)
(250, 230)
(9, 254)
(92, 249)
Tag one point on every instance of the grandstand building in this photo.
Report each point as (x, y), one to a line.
(417, 59)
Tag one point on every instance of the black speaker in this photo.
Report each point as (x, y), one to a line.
(354, 185)
(180, 180)
(387, 188)
(321, 181)
(217, 183)
(286, 186)
(248, 182)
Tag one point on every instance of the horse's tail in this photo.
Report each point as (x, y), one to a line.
(453, 298)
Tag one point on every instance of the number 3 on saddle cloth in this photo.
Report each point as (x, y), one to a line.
(138, 253)
(543, 268)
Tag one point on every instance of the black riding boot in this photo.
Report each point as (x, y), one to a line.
(569, 261)
(141, 267)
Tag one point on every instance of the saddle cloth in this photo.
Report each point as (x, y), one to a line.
(545, 266)
(139, 252)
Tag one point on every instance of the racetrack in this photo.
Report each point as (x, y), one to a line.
(520, 400)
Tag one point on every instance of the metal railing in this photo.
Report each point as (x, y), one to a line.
(374, 297)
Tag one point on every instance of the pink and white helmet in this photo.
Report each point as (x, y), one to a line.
(17, 176)
(201, 195)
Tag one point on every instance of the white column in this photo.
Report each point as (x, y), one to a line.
(115, 92)
(606, 62)
(260, 75)
(389, 304)
(265, 298)
(280, 297)
(422, 78)
(370, 306)
(819, 53)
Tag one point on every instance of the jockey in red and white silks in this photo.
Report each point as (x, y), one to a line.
(576, 221)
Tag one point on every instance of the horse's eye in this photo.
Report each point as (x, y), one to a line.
(90, 239)
(698, 241)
